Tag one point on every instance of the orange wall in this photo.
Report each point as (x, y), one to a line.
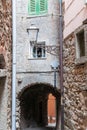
(51, 107)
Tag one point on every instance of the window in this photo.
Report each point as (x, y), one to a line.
(38, 51)
(2, 61)
(37, 7)
(80, 44)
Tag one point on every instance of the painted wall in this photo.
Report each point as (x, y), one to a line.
(31, 70)
(51, 109)
(75, 13)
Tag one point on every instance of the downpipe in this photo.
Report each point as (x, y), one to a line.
(13, 65)
(61, 62)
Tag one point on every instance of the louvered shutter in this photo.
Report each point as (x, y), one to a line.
(32, 7)
(37, 7)
(42, 6)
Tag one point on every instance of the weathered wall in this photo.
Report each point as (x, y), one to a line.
(75, 88)
(5, 49)
(75, 73)
(30, 70)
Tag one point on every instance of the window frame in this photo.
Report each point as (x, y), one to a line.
(81, 59)
(79, 47)
(31, 51)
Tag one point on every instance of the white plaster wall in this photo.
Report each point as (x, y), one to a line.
(48, 31)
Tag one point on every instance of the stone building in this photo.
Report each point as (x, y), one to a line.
(5, 64)
(35, 76)
(75, 64)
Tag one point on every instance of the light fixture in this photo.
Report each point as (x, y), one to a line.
(33, 34)
(33, 38)
(55, 67)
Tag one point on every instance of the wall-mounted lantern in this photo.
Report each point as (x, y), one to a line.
(33, 38)
(33, 34)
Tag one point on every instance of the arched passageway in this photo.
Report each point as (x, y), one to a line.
(34, 105)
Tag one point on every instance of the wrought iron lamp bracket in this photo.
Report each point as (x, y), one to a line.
(52, 49)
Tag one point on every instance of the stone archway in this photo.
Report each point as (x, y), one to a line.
(33, 105)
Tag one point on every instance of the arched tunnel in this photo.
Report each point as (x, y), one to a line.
(34, 105)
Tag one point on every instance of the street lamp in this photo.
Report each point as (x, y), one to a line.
(33, 34)
(55, 66)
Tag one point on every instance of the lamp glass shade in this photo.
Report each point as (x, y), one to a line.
(33, 35)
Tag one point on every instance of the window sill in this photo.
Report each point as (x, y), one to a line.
(40, 15)
(37, 58)
(81, 60)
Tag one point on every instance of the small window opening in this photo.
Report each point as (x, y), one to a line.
(38, 51)
(2, 61)
(81, 44)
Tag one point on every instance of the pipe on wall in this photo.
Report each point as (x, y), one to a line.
(13, 64)
(61, 62)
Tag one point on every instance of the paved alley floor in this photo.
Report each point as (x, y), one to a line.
(40, 128)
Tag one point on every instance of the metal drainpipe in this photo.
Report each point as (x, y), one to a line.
(14, 65)
(61, 62)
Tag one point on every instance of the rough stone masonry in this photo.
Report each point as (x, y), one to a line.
(5, 53)
(75, 88)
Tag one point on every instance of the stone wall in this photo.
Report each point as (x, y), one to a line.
(75, 88)
(5, 49)
(29, 69)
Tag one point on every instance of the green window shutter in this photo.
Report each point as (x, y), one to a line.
(32, 7)
(36, 7)
(43, 6)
